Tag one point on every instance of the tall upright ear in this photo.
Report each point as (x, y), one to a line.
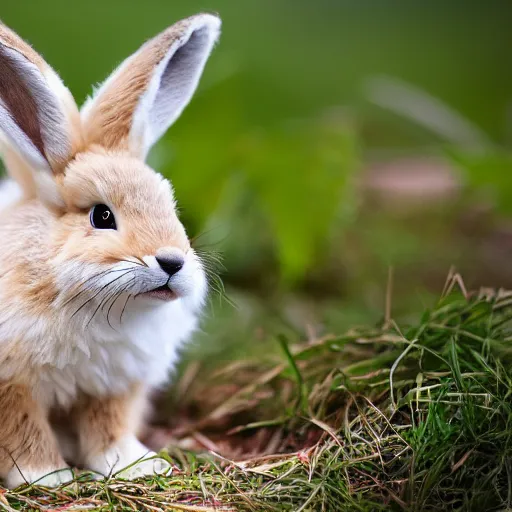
(39, 119)
(149, 90)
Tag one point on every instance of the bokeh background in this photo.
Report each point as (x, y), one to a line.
(329, 142)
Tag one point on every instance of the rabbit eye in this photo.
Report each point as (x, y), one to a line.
(102, 217)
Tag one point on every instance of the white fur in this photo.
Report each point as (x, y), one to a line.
(16, 138)
(10, 193)
(48, 477)
(128, 458)
(105, 356)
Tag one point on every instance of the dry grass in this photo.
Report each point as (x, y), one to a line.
(387, 418)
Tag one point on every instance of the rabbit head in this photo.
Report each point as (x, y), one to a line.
(95, 223)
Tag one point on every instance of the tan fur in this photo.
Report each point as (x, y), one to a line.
(20, 171)
(112, 115)
(75, 130)
(12, 40)
(25, 277)
(101, 422)
(26, 436)
(25, 375)
(149, 221)
(35, 287)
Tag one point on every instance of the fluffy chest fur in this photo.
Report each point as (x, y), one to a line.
(105, 358)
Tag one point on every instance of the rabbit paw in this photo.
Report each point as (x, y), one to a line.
(146, 467)
(50, 477)
(128, 459)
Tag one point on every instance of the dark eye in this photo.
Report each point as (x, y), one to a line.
(102, 217)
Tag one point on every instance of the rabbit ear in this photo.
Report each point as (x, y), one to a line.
(150, 89)
(39, 119)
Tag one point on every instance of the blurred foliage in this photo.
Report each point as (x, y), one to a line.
(488, 172)
(291, 179)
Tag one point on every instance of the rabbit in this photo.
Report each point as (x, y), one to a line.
(99, 285)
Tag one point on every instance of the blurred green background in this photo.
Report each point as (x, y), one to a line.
(328, 141)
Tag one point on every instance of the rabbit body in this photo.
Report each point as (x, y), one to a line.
(99, 286)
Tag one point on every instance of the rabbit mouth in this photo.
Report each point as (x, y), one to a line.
(161, 293)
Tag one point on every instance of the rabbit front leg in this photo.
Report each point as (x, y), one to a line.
(28, 448)
(108, 443)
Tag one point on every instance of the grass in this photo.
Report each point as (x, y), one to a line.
(392, 417)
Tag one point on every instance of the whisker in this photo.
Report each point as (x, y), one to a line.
(213, 266)
(94, 313)
(113, 296)
(124, 307)
(101, 289)
(215, 255)
(97, 275)
(196, 238)
(120, 286)
(117, 295)
(210, 258)
(107, 298)
(137, 261)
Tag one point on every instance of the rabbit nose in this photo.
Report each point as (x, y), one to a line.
(170, 264)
